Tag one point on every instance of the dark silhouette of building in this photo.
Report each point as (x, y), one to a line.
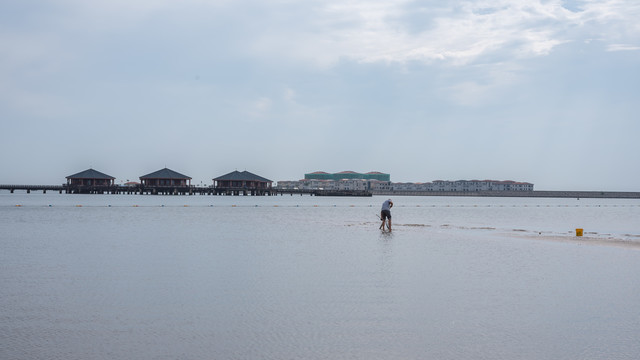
(165, 177)
(236, 183)
(90, 177)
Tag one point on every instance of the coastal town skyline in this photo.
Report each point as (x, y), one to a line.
(348, 174)
(537, 91)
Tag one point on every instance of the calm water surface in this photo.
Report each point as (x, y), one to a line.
(147, 277)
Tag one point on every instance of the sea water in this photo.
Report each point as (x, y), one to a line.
(300, 277)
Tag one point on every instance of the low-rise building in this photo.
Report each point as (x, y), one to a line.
(378, 185)
(372, 175)
(90, 177)
(320, 180)
(165, 177)
(237, 182)
(342, 184)
(463, 186)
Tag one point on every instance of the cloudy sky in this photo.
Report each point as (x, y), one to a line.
(544, 91)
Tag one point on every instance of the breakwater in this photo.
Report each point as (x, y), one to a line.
(534, 193)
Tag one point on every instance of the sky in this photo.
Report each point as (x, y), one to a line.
(545, 92)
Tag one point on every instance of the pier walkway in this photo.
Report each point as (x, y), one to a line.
(210, 190)
(30, 188)
(178, 190)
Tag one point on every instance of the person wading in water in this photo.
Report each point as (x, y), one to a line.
(385, 214)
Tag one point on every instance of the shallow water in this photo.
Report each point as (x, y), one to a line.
(146, 277)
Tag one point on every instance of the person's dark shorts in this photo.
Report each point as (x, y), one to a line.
(385, 214)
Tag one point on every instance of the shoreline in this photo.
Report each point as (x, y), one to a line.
(583, 240)
(627, 241)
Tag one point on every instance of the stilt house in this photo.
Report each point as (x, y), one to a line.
(236, 182)
(90, 177)
(165, 177)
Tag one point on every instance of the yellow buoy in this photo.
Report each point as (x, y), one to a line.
(578, 232)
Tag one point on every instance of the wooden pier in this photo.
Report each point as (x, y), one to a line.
(178, 190)
(112, 189)
(30, 188)
(245, 191)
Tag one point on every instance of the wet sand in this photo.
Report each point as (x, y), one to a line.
(629, 241)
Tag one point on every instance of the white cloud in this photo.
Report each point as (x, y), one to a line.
(289, 95)
(459, 36)
(260, 107)
(389, 31)
(464, 32)
(490, 81)
(323, 33)
(622, 47)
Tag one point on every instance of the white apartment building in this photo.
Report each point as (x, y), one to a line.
(377, 185)
(464, 185)
(344, 184)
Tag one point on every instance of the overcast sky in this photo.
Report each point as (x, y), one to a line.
(546, 92)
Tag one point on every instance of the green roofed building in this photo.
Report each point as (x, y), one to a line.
(373, 175)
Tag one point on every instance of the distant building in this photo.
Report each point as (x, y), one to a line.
(464, 186)
(345, 180)
(377, 185)
(373, 175)
(90, 177)
(343, 184)
(326, 181)
(236, 183)
(165, 177)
